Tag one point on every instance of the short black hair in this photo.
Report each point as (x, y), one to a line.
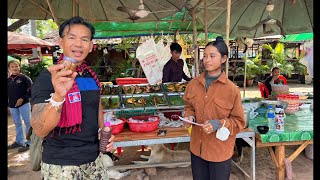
(275, 68)
(76, 20)
(175, 47)
(220, 45)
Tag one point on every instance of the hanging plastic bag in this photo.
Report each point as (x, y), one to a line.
(149, 61)
(308, 59)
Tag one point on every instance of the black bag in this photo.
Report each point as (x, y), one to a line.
(35, 151)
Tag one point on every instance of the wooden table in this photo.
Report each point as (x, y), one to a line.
(174, 135)
(279, 155)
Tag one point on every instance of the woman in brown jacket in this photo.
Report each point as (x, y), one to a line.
(213, 100)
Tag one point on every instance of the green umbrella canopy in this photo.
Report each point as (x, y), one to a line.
(297, 37)
(10, 58)
(166, 25)
(294, 16)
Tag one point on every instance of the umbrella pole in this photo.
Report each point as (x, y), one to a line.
(194, 22)
(227, 34)
(245, 75)
(205, 20)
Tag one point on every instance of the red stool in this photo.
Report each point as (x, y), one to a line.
(263, 90)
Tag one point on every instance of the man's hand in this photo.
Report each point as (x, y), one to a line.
(19, 102)
(109, 147)
(207, 127)
(62, 81)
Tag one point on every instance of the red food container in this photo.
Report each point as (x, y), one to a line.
(145, 126)
(124, 81)
(119, 127)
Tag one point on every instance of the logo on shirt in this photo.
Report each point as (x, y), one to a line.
(74, 97)
(18, 81)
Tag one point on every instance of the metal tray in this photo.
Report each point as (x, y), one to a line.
(175, 100)
(110, 102)
(147, 97)
(175, 90)
(110, 89)
(142, 89)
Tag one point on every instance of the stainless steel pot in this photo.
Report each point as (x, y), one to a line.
(246, 117)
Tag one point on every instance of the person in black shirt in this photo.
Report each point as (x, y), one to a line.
(19, 91)
(67, 110)
(173, 69)
(273, 79)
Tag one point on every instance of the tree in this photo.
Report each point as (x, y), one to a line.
(43, 26)
(16, 25)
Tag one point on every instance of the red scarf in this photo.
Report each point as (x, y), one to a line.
(71, 113)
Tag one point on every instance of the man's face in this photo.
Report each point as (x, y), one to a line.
(175, 55)
(76, 42)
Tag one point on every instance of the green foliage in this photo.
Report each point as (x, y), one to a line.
(42, 26)
(47, 60)
(279, 59)
(298, 67)
(254, 67)
(45, 26)
(33, 70)
(120, 70)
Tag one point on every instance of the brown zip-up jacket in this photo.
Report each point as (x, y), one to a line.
(221, 102)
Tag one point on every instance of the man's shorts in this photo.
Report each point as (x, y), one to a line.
(93, 170)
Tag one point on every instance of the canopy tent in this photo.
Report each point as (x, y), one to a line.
(297, 37)
(295, 17)
(93, 10)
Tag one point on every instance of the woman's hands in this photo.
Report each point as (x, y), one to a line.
(62, 81)
(186, 124)
(207, 127)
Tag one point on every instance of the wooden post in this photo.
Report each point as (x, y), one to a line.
(52, 12)
(227, 33)
(75, 9)
(205, 19)
(195, 43)
(245, 75)
(175, 36)
(280, 155)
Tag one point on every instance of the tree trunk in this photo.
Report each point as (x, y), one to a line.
(16, 25)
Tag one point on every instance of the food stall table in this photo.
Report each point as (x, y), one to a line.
(174, 135)
(298, 131)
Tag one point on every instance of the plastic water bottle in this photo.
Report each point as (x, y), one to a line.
(271, 118)
(105, 135)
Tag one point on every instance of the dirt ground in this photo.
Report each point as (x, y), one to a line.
(19, 167)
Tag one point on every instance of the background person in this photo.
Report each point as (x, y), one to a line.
(19, 92)
(173, 69)
(212, 99)
(273, 79)
(173, 72)
(70, 125)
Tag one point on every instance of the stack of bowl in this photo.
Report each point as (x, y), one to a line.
(280, 89)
